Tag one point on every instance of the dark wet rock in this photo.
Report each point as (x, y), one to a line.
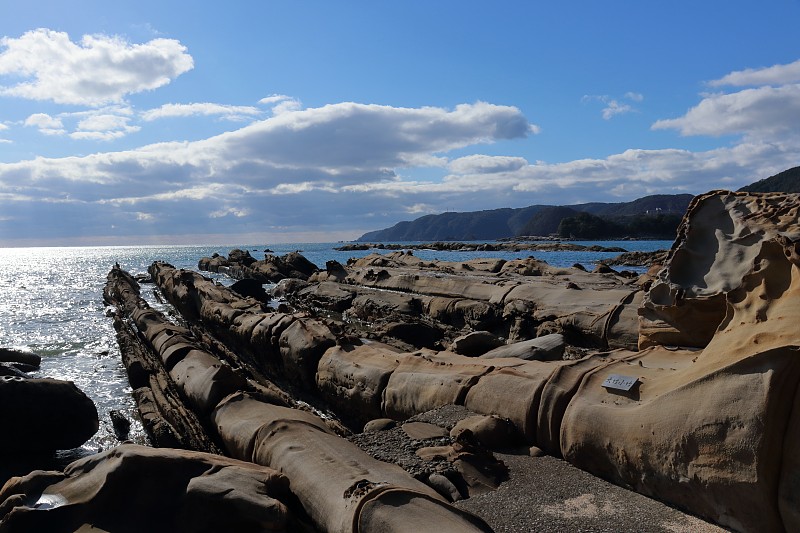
(251, 287)
(44, 415)
(15, 356)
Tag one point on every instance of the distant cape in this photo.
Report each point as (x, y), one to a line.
(609, 220)
(540, 220)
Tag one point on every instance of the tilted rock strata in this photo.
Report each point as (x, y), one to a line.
(712, 430)
(339, 485)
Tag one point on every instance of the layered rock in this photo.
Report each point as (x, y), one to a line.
(709, 427)
(339, 486)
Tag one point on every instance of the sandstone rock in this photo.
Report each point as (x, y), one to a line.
(380, 424)
(475, 343)
(445, 487)
(353, 378)
(545, 348)
(136, 488)
(492, 432)
(337, 483)
(718, 240)
(423, 430)
(706, 430)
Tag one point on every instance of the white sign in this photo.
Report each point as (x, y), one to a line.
(617, 381)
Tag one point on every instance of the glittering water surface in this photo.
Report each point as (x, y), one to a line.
(52, 305)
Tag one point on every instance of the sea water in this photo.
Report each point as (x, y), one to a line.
(51, 303)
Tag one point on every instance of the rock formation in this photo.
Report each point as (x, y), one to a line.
(339, 486)
(681, 384)
(136, 488)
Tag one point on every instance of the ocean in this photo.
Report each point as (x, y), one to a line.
(52, 305)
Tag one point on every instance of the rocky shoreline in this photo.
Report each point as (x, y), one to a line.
(396, 394)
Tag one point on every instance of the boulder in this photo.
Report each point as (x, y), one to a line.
(475, 343)
(492, 432)
(44, 415)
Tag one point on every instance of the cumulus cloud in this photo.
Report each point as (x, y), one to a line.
(46, 124)
(227, 112)
(774, 75)
(763, 112)
(281, 103)
(103, 127)
(3, 126)
(340, 168)
(97, 70)
(760, 111)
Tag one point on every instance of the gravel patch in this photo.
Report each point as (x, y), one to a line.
(541, 494)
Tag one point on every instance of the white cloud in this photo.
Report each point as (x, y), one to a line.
(613, 106)
(484, 164)
(3, 126)
(238, 213)
(340, 167)
(103, 127)
(228, 112)
(45, 124)
(274, 99)
(98, 70)
(774, 75)
(763, 111)
(281, 103)
(6, 141)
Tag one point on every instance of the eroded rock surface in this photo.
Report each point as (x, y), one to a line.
(709, 345)
(135, 488)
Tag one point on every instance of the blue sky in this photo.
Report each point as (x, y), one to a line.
(198, 122)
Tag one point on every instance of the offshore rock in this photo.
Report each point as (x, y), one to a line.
(241, 265)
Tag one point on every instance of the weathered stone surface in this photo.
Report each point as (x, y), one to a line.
(707, 430)
(544, 348)
(44, 415)
(718, 241)
(352, 378)
(475, 343)
(492, 432)
(136, 488)
(338, 484)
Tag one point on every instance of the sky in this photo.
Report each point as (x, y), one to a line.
(315, 121)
